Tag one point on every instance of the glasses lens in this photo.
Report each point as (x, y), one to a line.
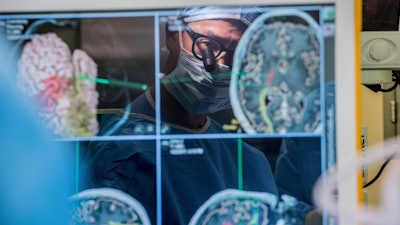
(202, 43)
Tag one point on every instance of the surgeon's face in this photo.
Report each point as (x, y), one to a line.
(220, 36)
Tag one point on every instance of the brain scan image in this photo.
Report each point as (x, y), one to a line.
(107, 206)
(61, 83)
(276, 74)
(232, 206)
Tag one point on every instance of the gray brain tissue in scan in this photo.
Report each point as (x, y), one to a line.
(276, 74)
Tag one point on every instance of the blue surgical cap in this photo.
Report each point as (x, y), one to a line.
(246, 14)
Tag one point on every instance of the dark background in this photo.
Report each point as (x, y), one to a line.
(380, 15)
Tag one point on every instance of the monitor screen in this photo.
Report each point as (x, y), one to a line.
(199, 115)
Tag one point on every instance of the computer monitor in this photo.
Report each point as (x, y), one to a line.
(291, 85)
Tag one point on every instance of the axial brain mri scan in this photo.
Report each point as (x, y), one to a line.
(275, 78)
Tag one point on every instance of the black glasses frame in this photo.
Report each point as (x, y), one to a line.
(194, 35)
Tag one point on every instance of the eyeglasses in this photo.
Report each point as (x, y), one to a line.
(203, 45)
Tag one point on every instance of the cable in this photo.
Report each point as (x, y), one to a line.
(369, 183)
(378, 87)
(396, 79)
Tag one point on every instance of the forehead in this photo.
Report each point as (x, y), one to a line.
(222, 29)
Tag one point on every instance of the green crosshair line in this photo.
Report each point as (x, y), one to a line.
(114, 82)
(240, 163)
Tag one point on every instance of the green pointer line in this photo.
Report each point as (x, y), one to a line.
(120, 83)
(240, 164)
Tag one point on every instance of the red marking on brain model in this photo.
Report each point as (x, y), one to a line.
(55, 87)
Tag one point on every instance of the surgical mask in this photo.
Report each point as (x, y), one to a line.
(197, 90)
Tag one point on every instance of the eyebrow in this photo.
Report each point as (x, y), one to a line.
(213, 35)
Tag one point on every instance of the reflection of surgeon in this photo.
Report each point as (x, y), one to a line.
(298, 167)
(195, 85)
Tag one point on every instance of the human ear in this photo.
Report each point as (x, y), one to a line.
(172, 44)
(172, 40)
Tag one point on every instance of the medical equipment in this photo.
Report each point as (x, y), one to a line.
(380, 59)
(386, 213)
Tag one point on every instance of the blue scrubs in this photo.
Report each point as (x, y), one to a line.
(192, 169)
